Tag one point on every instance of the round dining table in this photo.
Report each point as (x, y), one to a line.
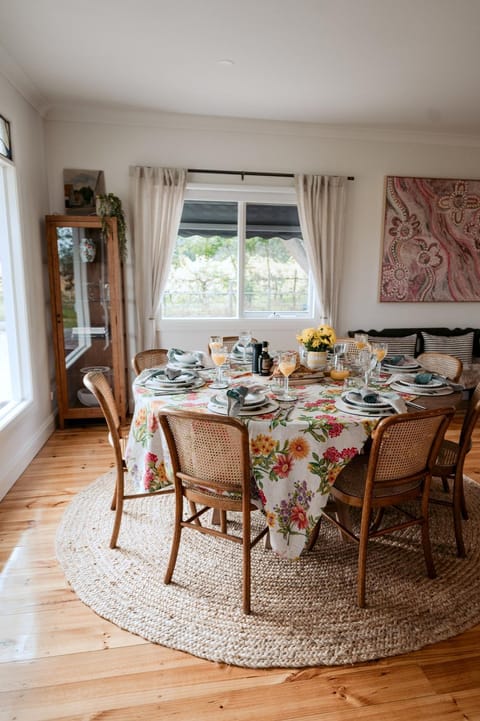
(295, 457)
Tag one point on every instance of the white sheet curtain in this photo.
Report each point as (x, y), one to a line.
(157, 202)
(321, 203)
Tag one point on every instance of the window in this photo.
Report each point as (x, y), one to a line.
(238, 258)
(13, 371)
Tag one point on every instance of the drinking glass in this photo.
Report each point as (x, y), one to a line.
(379, 348)
(215, 341)
(244, 337)
(368, 361)
(287, 364)
(219, 356)
(361, 339)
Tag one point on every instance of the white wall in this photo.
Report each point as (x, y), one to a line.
(87, 139)
(23, 438)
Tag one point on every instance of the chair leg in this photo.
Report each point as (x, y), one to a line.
(313, 536)
(362, 559)
(458, 509)
(117, 506)
(246, 573)
(177, 532)
(223, 521)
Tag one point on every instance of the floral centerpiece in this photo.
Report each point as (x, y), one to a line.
(317, 341)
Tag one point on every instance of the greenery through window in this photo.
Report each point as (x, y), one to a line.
(238, 259)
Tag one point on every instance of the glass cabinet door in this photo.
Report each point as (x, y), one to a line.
(85, 308)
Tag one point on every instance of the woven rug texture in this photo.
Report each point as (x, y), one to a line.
(304, 612)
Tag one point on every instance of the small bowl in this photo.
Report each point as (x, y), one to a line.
(188, 358)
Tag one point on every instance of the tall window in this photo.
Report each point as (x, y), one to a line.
(236, 258)
(14, 377)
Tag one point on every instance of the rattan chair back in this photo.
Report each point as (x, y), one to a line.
(449, 467)
(155, 357)
(97, 384)
(211, 466)
(396, 470)
(448, 366)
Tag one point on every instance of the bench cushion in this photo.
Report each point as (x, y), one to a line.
(460, 346)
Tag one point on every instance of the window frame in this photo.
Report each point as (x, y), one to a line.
(16, 317)
(242, 195)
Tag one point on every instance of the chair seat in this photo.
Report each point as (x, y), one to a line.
(351, 481)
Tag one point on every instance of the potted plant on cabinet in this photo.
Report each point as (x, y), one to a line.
(108, 206)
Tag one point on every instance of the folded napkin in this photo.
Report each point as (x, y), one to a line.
(423, 379)
(238, 349)
(236, 399)
(370, 396)
(172, 373)
(394, 360)
(186, 356)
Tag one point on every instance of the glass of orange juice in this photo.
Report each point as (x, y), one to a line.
(219, 356)
(361, 339)
(287, 364)
(379, 349)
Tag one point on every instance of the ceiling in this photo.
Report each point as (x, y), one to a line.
(398, 64)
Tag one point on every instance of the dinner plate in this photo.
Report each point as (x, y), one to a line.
(251, 399)
(341, 405)
(422, 390)
(401, 367)
(186, 378)
(353, 398)
(267, 407)
(433, 383)
(153, 385)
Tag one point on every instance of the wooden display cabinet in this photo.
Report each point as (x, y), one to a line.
(87, 311)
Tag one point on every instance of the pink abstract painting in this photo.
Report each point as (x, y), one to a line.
(431, 240)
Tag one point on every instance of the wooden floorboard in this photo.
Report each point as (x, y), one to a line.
(59, 660)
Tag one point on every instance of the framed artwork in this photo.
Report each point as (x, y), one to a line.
(81, 188)
(5, 138)
(431, 240)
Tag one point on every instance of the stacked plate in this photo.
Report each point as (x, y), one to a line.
(406, 365)
(159, 382)
(435, 387)
(185, 359)
(254, 404)
(238, 356)
(352, 402)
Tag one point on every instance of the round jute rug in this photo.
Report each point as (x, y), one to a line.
(304, 611)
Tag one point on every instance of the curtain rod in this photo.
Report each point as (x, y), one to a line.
(243, 173)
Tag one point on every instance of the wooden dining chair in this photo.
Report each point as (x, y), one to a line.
(211, 466)
(449, 467)
(397, 469)
(448, 366)
(97, 384)
(149, 359)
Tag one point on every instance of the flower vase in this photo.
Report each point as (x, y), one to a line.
(317, 360)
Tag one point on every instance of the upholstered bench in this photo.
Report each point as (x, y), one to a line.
(461, 342)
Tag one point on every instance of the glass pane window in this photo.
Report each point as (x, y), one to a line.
(238, 259)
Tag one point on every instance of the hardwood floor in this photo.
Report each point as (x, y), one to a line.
(59, 660)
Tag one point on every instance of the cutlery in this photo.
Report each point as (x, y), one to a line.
(415, 405)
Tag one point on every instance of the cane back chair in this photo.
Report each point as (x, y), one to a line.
(448, 366)
(211, 466)
(97, 384)
(149, 359)
(396, 470)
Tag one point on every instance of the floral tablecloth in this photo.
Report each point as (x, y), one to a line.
(294, 462)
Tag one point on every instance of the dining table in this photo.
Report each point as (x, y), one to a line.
(297, 450)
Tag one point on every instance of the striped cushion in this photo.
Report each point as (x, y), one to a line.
(460, 346)
(405, 345)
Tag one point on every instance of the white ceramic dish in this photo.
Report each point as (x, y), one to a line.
(357, 411)
(355, 399)
(161, 388)
(251, 399)
(268, 407)
(87, 398)
(422, 390)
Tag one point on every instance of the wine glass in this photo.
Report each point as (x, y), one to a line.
(219, 356)
(361, 339)
(244, 338)
(379, 348)
(368, 361)
(287, 364)
(215, 341)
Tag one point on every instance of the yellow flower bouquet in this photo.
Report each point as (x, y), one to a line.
(317, 339)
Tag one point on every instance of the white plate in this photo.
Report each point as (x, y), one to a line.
(186, 377)
(251, 399)
(402, 367)
(266, 408)
(353, 398)
(160, 388)
(357, 411)
(434, 383)
(422, 390)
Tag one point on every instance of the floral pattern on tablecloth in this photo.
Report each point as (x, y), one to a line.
(294, 463)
